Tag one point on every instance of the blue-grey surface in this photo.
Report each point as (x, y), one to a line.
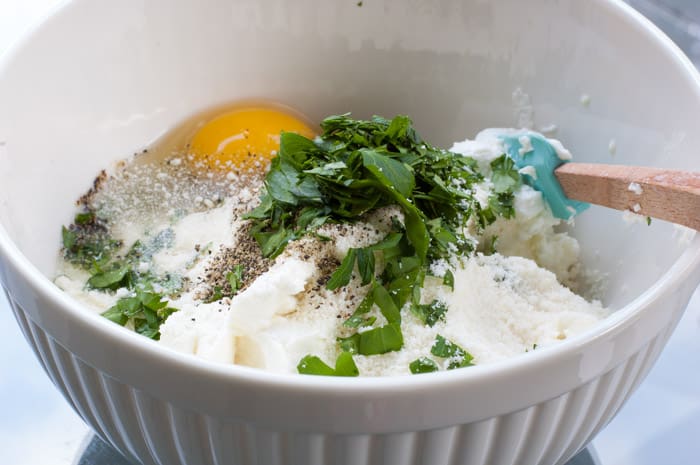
(679, 19)
(99, 453)
(660, 425)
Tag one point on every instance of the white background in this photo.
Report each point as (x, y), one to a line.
(660, 425)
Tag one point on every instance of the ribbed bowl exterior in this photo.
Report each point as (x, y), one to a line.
(151, 431)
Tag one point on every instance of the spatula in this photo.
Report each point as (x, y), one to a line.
(654, 192)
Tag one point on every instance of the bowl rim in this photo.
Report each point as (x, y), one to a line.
(74, 311)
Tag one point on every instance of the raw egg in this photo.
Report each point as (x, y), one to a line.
(244, 139)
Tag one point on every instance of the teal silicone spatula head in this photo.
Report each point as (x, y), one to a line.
(531, 149)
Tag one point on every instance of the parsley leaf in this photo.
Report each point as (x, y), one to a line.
(341, 277)
(350, 344)
(365, 265)
(146, 310)
(357, 319)
(313, 365)
(391, 173)
(458, 357)
(505, 176)
(387, 338)
(216, 295)
(430, 313)
(449, 280)
(423, 365)
(235, 278)
(111, 279)
(345, 365)
(69, 238)
(386, 304)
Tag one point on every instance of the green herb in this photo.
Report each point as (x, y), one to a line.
(85, 218)
(365, 260)
(357, 318)
(86, 242)
(648, 220)
(505, 176)
(430, 313)
(341, 277)
(357, 321)
(423, 365)
(357, 166)
(365, 265)
(386, 304)
(118, 276)
(146, 311)
(70, 238)
(449, 280)
(344, 366)
(235, 278)
(375, 341)
(216, 295)
(350, 344)
(492, 249)
(458, 357)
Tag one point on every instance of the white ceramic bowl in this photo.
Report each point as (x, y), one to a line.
(102, 79)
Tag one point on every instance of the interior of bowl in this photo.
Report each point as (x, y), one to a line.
(102, 80)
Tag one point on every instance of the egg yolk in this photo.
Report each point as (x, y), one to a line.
(244, 139)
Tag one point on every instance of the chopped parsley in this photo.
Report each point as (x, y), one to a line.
(146, 311)
(456, 355)
(356, 167)
(88, 245)
(234, 279)
(449, 280)
(423, 365)
(216, 295)
(344, 366)
(86, 242)
(375, 341)
(430, 313)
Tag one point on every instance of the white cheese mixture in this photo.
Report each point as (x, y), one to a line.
(504, 304)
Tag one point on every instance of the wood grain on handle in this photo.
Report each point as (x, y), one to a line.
(666, 194)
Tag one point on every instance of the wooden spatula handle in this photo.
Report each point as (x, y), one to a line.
(665, 194)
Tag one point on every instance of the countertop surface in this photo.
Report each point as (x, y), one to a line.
(659, 425)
